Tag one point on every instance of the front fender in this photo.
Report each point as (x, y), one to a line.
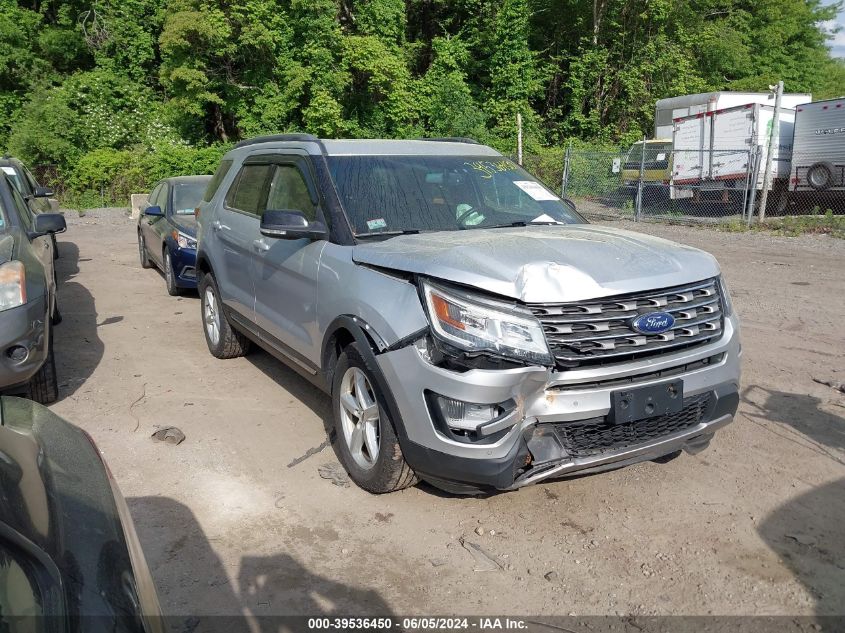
(388, 305)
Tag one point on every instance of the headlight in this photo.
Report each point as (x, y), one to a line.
(12, 285)
(476, 324)
(727, 304)
(184, 241)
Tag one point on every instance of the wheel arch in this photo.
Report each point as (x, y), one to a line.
(344, 330)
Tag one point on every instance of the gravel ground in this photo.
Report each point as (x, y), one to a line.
(251, 514)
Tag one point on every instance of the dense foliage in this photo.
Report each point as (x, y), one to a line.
(138, 88)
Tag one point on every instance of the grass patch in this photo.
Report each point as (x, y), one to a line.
(793, 225)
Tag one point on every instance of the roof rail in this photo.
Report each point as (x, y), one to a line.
(451, 139)
(275, 138)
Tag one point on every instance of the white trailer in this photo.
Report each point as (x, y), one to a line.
(713, 151)
(818, 158)
(669, 109)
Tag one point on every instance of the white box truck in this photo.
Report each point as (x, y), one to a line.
(713, 152)
(671, 108)
(818, 156)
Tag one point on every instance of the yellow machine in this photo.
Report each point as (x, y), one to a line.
(657, 166)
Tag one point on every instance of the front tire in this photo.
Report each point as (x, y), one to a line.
(44, 386)
(142, 252)
(366, 440)
(169, 276)
(222, 339)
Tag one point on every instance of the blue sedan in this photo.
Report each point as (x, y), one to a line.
(167, 230)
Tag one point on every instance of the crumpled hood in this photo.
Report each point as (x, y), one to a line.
(544, 264)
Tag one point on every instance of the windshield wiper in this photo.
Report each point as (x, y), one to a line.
(518, 223)
(388, 233)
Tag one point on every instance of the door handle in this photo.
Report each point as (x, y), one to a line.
(261, 246)
(217, 225)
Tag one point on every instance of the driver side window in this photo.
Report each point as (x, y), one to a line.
(288, 190)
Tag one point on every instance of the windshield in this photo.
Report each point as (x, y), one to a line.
(390, 194)
(656, 155)
(13, 177)
(187, 196)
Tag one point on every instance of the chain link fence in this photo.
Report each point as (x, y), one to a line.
(653, 181)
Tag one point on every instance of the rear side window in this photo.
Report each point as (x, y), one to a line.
(216, 179)
(247, 192)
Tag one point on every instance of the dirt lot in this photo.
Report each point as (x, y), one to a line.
(238, 520)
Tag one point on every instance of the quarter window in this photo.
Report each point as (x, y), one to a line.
(288, 191)
(247, 192)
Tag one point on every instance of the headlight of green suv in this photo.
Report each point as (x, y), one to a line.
(477, 324)
(12, 285)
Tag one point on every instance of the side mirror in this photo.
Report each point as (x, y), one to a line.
(42, 192)
(290, 224)
(154, 211)
(45, 223)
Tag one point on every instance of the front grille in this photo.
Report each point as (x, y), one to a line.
(596, 436)
(600, 332)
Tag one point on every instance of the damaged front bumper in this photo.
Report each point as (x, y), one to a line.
(558, 423)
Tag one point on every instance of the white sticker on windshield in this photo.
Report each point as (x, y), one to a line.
(9, 170)
(535, 190)
(661, 156)
(546, 218)
(376, 224)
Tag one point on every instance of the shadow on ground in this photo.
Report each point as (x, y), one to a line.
(78, 347)
(808, 534)
(191, 579)
(797, 412)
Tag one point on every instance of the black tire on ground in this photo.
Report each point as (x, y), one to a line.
(57, 316)
(230, 343)
(142, 252)
(44, 386)
(390, 472)
(170, 275)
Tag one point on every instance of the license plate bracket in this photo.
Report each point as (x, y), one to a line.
(641, 403)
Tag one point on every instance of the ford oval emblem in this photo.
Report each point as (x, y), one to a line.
(653, 323)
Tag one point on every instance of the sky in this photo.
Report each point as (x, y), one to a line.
(837, 44)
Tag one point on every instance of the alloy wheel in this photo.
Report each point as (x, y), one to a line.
(359, 416)
(211, 316)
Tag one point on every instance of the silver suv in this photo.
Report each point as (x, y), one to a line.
(472, 329)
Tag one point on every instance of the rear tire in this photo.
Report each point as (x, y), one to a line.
(44, 386)
(170, 276)
(222, 339)
(375, 461)
(142, 252)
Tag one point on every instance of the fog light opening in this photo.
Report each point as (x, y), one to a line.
(467, 416)
(17, 353)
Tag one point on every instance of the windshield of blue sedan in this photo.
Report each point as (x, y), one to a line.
(187, 196)
(395, 194)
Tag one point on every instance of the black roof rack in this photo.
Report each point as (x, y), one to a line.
(275, 138)
(452, 139)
